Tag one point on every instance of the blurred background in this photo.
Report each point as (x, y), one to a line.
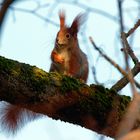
(28, 36)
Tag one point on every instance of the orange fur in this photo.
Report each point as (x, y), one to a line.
(62, 18)
(57, 58)
(67, 57)
(13, 118)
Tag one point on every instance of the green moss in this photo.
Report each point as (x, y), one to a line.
(7, 66)
(34, 77)
(55, 78)
(99, 103)
(113, 91)
(123, 104)
(70, 83)
(124, 101)
(98, 88)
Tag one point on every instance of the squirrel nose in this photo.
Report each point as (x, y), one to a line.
(60, 41)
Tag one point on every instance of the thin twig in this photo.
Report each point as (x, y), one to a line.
(120, 10)
(4, 7)
(91, 9)
(132, 30)
(130, 75)
(132, 113)
(128, 51)
(35, 14)
(128, 48)
(133, 110)
(95, 77)
(107, 58)
(125, 80)
(120, 15)
(137, 84)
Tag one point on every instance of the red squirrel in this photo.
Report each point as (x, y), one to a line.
(67, 57)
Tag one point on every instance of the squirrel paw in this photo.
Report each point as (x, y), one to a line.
(57, 58)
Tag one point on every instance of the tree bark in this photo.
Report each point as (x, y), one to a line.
(61, 97)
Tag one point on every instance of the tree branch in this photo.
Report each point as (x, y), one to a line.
(120, 2)
(132, 30)
(61, 97)
(3, 10)
(126, 79)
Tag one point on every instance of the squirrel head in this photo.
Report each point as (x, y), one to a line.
(67, 36)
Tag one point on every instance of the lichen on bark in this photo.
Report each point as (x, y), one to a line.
(61, 97)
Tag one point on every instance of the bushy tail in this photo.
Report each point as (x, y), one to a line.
(13, 118)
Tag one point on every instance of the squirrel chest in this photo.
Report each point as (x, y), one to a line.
(65, 56)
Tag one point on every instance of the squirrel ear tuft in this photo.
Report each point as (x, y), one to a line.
(77, 22)
(62, 18)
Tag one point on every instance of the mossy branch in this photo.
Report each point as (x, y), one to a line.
(61, 97)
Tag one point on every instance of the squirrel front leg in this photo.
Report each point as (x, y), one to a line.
(58, 63)
(57, 57)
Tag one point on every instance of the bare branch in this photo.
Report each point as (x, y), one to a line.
(120, 15)
(107, 58)
(124, 81)
(91, 9)
(3, 10)
(95, 76)
(132, 30)
(130, 75)
(130, 118)
(35, 13)
(61, 97)
(128, 48)
(78, 4)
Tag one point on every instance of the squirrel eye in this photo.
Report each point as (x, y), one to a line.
(68, 35)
